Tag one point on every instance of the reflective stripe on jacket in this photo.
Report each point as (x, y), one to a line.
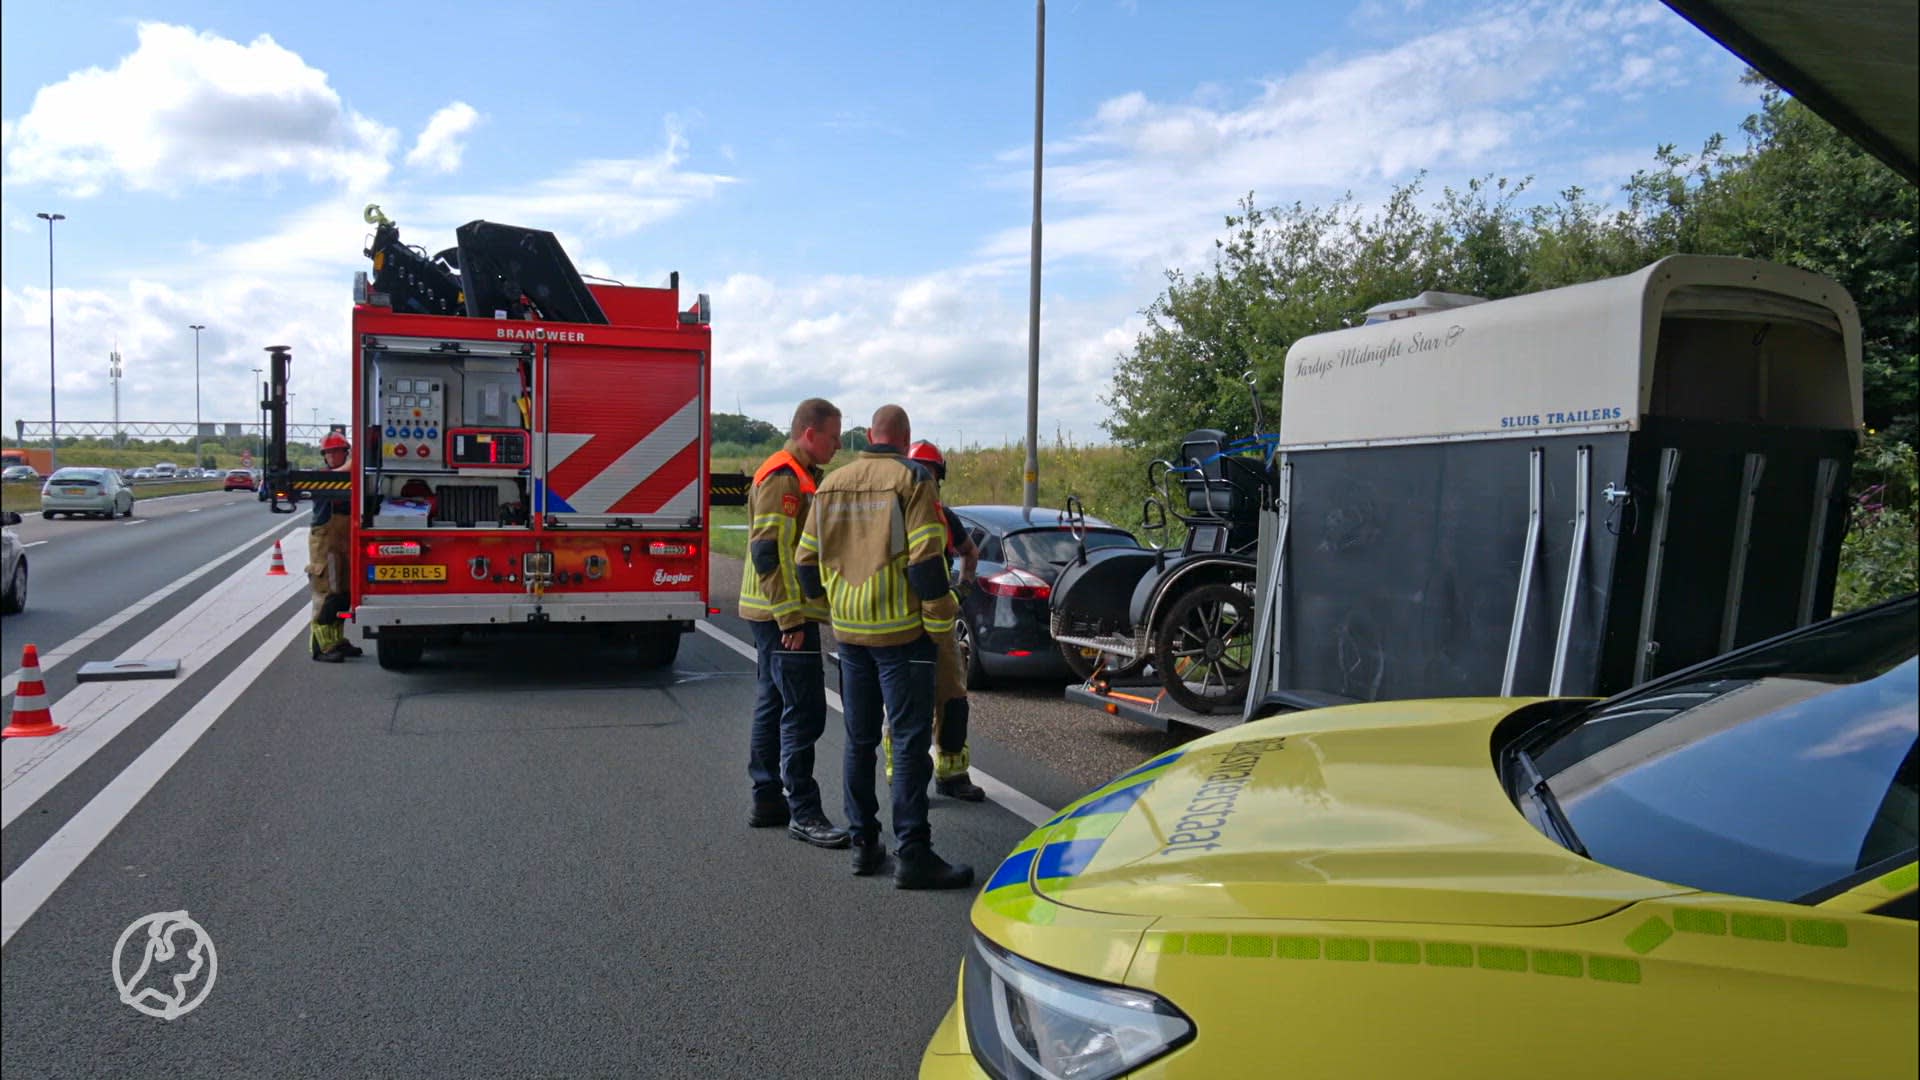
(777, 503)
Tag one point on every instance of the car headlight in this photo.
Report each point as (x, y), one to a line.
(1026, 1021)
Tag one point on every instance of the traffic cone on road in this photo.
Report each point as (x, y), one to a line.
(279, 567)
(30, 713)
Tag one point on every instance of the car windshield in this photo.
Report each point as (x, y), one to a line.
(1775, 773)
(1041, 547)
(91, 476)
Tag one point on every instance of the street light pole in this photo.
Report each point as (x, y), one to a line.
(1031, 494)
(196, 328)
(53, 400)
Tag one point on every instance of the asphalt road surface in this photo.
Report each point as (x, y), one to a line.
(524, 859)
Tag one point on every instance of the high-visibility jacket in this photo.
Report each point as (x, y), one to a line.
(777, 503)
(875, 545)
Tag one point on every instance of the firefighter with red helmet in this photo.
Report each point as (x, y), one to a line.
(952, 759)
(329, 558)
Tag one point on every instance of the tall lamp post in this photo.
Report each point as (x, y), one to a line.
(196, 328)
(1031, 491)
(53, 402)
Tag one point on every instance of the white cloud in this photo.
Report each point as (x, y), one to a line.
(953, 354)
(440, 143)
(1145, 181)
(605, 197)
(192, 108)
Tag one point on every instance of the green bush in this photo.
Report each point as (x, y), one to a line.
(1878, 559)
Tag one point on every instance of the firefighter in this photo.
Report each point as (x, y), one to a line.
(790, 707)
(875, 547)
(951, 756)
(329, 545)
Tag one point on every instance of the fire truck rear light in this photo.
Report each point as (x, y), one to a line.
(394, 548)
(1017, 584)
(713, 611)
(1019, 652)
(662, 549)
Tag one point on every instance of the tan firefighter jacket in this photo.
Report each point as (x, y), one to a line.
(875, 544)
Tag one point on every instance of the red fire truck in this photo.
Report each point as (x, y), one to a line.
(530, 450)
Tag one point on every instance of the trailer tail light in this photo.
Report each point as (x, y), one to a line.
(661, 549)
(1017, 584)
(409, 549)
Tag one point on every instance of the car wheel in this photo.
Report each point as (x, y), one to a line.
(15, 600)
(399, 651)
(1083, 662)
(46, 515)
(970, 663)
(1203, 648)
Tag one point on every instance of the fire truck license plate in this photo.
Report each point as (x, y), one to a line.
(409, 573)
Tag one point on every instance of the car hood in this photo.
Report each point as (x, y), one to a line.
(1387, 812)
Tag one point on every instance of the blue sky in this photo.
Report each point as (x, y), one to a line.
(849, 181)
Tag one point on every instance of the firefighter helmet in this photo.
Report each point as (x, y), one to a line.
(929, 455)
(334, 440)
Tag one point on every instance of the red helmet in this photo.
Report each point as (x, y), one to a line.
(333, 441)
(929, 455)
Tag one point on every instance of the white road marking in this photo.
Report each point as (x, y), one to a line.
(135, 521)
(196, 509)
(1018, 804)
(53, 657)
(36, 543)
(33, 882)
(95, 713)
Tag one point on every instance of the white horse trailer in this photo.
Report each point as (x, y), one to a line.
(1567, 492)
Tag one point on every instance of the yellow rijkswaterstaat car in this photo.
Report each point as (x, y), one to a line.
(1711, 875)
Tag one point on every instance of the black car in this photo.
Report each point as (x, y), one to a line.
(1003, 628)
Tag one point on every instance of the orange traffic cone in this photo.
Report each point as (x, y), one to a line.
(279, 567)
(30, 713)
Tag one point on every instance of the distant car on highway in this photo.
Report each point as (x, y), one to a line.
(1004, 628)
(165, 470)
(90, 491)
(239, 480)
(18, 472)
(13, 567)
(145, 472)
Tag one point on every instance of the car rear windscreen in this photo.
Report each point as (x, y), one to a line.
(1054, 547)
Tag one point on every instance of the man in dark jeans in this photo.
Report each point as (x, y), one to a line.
(790, 710)
(875, 546)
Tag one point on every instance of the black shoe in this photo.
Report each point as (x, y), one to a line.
(331, 656)
(350, 650)
(768, 815)
(960, 787)
(869, 857)
(923, 869)
(819, 832)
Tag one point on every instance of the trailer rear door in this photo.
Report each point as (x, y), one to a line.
(622, 437)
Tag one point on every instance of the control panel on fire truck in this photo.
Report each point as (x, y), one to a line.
(413, 412)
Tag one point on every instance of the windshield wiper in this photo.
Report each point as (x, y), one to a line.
(1537, 787)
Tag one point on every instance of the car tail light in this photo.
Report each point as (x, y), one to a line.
(1017, 584)
(393, 548)
(663, 549)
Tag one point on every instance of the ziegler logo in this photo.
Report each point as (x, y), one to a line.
(661, 577)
